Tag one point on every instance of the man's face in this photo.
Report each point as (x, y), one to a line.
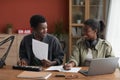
(89, 34)
(41, 30)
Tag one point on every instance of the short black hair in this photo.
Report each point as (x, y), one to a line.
(95, 25)
(36, 19)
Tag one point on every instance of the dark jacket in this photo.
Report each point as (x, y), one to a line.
(55, 52)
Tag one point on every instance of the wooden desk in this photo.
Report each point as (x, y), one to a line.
(7, 73)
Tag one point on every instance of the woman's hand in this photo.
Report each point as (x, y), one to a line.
(68, 66)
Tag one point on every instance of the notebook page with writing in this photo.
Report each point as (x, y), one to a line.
(60, 68)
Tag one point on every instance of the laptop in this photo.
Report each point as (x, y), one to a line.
(101, 66)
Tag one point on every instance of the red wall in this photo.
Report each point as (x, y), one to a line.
(18, 12)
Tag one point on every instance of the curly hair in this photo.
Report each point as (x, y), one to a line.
(36, 19)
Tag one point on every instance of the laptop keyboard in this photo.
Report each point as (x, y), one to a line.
(84, 71)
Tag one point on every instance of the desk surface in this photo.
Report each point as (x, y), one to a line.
(7, 73)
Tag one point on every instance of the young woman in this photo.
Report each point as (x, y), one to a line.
(91, 46)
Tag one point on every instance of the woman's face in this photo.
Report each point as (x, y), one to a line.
(89, 33)
(41, 30)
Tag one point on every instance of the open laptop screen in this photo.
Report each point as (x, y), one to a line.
(102, 66)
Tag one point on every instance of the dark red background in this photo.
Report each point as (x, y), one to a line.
(18, 13)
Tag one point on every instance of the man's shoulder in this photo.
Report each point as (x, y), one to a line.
(50, 36)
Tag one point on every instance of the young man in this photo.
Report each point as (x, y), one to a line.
(55, 52)
(92, 46)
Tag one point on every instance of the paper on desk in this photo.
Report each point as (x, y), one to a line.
(40, 49)
(34, 75)
(60, 68)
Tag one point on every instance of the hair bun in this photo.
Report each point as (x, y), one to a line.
(102, 26)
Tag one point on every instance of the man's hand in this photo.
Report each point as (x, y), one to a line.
(47, 63)
(68, 66)
(22, 63)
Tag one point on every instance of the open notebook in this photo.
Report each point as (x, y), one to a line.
(60, 69)
(35, 75)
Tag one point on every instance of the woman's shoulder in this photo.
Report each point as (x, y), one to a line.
(105, 42)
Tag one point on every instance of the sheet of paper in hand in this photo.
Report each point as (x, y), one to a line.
(40, 49)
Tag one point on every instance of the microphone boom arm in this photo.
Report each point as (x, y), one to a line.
(2, 60)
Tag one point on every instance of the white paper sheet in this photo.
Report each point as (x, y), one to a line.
(60, 68)
(40, 49)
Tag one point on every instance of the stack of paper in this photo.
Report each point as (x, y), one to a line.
(35, 75)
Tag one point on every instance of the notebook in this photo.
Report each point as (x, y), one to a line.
(101, 66)
(35, 75)
(60, 69)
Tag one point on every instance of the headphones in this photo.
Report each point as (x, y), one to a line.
(91, 43)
